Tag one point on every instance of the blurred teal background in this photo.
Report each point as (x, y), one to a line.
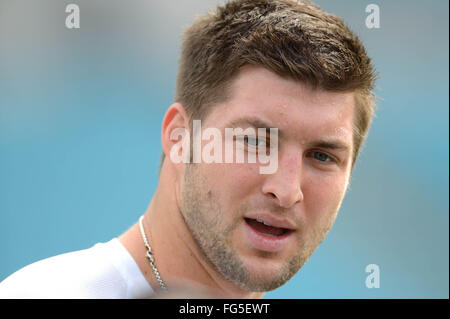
(80, 115)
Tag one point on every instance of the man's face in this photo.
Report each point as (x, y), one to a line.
(220, 202)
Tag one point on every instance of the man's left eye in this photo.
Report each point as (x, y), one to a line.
(322, 157)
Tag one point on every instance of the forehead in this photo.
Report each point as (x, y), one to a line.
(297, 110)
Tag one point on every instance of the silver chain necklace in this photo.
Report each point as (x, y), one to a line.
(150, 257)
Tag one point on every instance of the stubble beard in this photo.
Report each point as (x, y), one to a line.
(202, 213)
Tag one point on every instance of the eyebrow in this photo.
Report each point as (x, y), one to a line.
(331, 144)
(254, 122)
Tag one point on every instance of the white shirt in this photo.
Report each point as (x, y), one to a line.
(105, 270)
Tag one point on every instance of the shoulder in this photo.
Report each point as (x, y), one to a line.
(80, 274)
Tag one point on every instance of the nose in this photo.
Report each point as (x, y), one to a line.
(284, 185)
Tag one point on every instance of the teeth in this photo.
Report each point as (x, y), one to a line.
(258, 220)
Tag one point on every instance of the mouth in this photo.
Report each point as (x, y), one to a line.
(267, 230)
(261, 236)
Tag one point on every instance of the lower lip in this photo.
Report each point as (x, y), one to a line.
(265, 242)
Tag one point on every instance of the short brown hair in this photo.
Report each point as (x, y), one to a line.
(294, 39)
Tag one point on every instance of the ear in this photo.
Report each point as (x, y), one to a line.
(174, 135)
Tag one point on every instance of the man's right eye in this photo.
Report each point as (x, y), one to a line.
(254, 141)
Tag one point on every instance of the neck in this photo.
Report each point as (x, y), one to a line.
(182, 265)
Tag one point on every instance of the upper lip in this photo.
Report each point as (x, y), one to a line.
(272, 220)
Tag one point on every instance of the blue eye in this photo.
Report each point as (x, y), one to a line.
(322, 157)
(253, 141)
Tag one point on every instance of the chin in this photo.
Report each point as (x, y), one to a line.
(265, 273)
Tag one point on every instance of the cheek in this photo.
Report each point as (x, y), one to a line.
(232, 182)
(323, 194)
